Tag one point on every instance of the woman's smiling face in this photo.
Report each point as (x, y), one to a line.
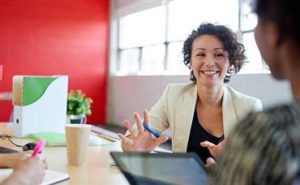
(209, 60)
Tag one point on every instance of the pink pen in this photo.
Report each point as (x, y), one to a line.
(38, 147)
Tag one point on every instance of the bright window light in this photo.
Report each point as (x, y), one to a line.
(153, 59)
(186, 15)
(150, 41)
(129, 62)
(255, 63)
(248, 18)
(143, 28)
(175, 63)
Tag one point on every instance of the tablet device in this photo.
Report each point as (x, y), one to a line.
(161, 168)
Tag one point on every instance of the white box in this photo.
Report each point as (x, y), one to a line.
(43, 112)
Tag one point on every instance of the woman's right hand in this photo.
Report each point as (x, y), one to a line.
(140, 140)
(13, 159)
(29, 171)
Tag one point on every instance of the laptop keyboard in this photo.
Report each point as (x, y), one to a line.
(4, 150)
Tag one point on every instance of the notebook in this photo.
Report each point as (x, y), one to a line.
(161, 168)
(51, 177)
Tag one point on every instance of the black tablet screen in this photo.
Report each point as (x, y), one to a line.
(158, 168)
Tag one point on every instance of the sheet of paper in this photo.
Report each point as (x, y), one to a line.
(50, 177)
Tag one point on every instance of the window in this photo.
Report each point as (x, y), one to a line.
(186, 15)
(143, 28)
(151, 40)
(248, 19)
(153, 59)
(253, 56)
(129, 61)
(175, 63)
(255, 63)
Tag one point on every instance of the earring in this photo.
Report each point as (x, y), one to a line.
(229, 73)
(192, 77)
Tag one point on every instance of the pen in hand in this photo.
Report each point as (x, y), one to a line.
(149, 129)
(38, 147)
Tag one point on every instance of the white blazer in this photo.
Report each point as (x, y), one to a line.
(175, 110)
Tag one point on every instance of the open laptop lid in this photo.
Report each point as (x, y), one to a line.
(161, 168)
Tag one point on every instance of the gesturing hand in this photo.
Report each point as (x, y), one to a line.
(215, 150)
(140, 139)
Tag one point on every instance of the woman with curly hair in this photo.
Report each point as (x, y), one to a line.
(202, 113)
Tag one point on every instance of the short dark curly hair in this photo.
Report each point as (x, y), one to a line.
(284, 14)
(236, 50)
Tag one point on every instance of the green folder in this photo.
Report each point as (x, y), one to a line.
(51, 138)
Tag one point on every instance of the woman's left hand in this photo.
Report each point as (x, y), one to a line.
(215, 150)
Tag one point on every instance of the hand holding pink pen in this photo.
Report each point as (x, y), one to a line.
(38, 147)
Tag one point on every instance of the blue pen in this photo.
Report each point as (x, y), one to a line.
(147, 127)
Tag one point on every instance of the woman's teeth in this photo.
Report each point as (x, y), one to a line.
(209, 72)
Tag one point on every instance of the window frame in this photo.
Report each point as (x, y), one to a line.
(167, 43)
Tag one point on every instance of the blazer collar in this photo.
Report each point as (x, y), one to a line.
(186, 117)
(229, 112)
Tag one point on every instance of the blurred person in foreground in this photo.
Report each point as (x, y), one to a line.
(202, 113)
(265, 148)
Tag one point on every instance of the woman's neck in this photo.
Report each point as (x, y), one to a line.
(210, 96)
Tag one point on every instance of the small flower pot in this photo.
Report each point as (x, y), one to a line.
(76, 119)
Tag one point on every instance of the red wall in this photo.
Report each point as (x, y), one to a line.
(47, 37)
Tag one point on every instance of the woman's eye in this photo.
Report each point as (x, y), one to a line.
(219, 55)
(200, 54)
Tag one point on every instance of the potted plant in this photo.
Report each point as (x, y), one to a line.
(78, 106)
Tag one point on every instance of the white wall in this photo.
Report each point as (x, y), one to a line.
(135, 93)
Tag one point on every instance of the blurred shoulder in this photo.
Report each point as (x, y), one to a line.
(261, 141)
(281, 116)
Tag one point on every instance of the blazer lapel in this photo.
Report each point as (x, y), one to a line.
(184, 120)
(229, 112)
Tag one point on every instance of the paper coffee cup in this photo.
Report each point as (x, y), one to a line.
(77, 140)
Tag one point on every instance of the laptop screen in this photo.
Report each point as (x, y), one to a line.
(161, 168)
(4, 150)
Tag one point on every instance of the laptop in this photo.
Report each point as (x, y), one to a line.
(161, 168)
(4, 150)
